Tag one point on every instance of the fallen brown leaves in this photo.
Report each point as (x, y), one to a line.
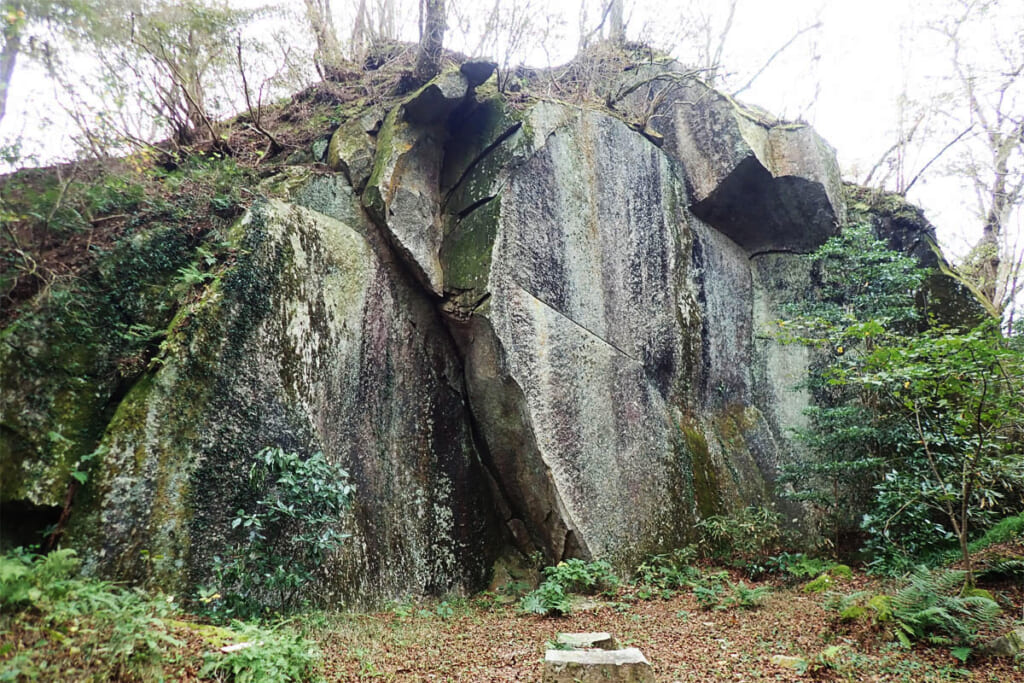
(485, 641)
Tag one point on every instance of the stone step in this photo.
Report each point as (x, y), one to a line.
(592, 666)
(582, 641)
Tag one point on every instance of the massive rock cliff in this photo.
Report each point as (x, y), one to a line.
(523, 324)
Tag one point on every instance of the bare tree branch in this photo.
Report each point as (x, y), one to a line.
(935, 158)
(785, 46)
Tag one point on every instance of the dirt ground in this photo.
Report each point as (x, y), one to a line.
(483, 640)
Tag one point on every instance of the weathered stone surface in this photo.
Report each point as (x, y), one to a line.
(1009, 645)
(597, 666)
(608, 369)
(576, 335)
(432, 103)
(312, 341)
(531, 308)
(351, 151)
(477, 71)
(768, 185)
(578, 641)
(402, 194)
(64, 365)
(403, 190)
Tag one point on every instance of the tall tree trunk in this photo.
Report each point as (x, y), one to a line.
(328, 52)
(617, 26)
(360, 33)
(8, 56)
(428, 60)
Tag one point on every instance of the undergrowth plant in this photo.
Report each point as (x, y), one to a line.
(79, 628)
(284, 538)
(571, 576)
(263, 654)
(121, 633)
(932, 606)
(742, 540)
(917, 427)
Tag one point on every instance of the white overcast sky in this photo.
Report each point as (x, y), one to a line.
(844, 79)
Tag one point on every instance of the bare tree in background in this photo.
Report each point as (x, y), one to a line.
(328, 52)
(432, 26)
(616, 22)
(33, 28)
(993, 95)
(13, 19)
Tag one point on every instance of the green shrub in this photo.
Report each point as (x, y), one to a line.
(931, 607)
(827, 579)
(579, 576)
(709, 596)
(571, 576)
(800, 566)
(121, 632)
(264, 655)
(38, 581)
(283, 540)
(549, 599)
(665, 573)
(746, 597)
(741, 540)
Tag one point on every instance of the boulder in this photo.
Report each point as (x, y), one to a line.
(351, 152)
(768, 185)
(432, 103)
(477, 71)
(607, 335)
(311, 341)
(1009, 645)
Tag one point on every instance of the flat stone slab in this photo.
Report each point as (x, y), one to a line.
(579, 641)
(592, 666)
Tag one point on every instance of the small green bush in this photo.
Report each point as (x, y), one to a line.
(122, 632)
(283, 540)
(549, 599)
(667, 572)
(931, 607)
(571, 576)
(264, 655)
(579, 576)
(801, 566)
(741, 540)
(746, 597)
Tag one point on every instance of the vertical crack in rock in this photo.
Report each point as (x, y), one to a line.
(477, 160)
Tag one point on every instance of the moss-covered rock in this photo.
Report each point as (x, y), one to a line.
(309, 343)
(74, 351)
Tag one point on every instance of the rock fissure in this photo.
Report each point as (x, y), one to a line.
(487, 151)
(575, 322)
(474, 206)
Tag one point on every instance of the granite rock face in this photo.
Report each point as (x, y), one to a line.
(515, 323)
(311, 342)
(609, 334)
(767, 185)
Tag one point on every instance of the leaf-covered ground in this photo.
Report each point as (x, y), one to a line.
(485, 638)
(487, 641)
